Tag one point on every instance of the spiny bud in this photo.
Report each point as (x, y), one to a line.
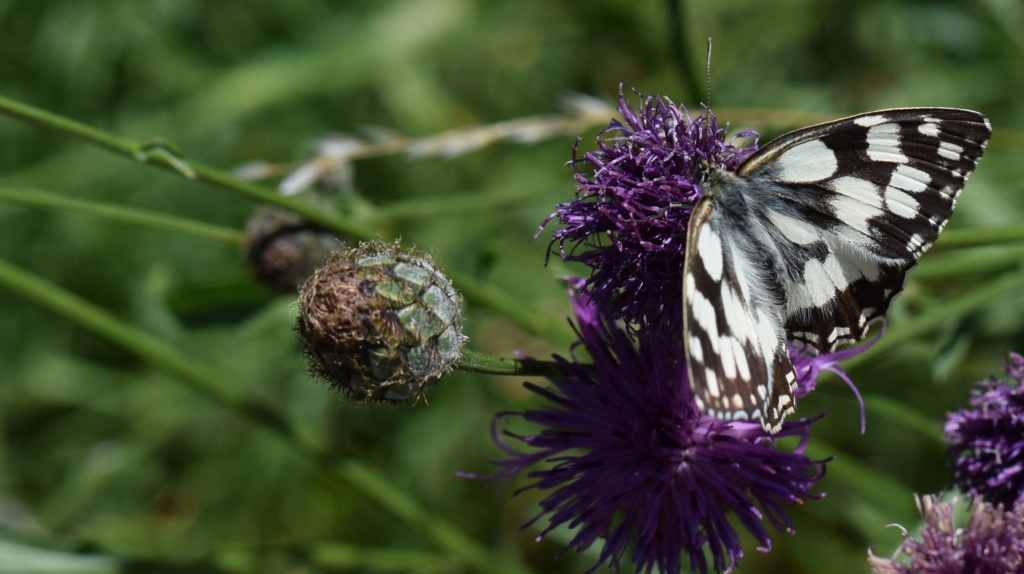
(380, 324)
(283, 249)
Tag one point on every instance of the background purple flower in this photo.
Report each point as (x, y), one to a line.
(632, 461)
(628, 221)
(987, 440)
(992, 542)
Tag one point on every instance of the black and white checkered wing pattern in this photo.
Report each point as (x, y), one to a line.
(810, 240)
(734, 335)
(868, 195)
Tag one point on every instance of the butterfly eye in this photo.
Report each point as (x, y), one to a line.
(703, 170)
(702, 173)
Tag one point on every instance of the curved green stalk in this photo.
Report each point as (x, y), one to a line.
(165, 155)
(974, 236)
(940, 314)
(904, 415)
(335, 555)
(474, 362)
(130, 215)
(488, 296)
(975, 262)
(448, 206)
(207, 382)
(471, 361)
(880, 490)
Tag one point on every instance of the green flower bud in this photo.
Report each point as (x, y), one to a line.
(380, 324)
(283, 249)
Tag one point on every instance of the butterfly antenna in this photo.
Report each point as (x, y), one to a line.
(709, 72)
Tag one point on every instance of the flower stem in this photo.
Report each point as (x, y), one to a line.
(208, 382)
(474, 362)
(488, 296)
(974, 262)
(134, 216)
(165, 155)
(478, 292)
(940, 314)
(678, 48)
(341, 556)
(900, 413)
(975, 236)
(881, 490)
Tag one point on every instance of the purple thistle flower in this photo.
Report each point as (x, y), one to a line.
(991, 543)
(633, 461)
(987, 441)
(629, 219)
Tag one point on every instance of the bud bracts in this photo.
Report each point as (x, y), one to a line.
(380, 324)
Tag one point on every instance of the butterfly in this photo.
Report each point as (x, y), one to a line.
(809, 240)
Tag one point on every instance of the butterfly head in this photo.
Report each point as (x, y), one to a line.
(710, 176)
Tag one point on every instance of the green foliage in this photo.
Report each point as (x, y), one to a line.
(210, 450)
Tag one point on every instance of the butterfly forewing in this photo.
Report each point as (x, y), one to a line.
(885, 180)
(831, 218)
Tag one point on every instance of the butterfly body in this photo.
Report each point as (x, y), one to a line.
(809, 240)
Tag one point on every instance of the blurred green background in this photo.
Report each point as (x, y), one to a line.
(109, 463)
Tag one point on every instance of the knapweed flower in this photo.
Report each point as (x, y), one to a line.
(987, 440)
(991, 543)
(630, 459)
(380, 323)
(633, 196)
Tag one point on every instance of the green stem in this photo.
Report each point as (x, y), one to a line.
(140, 217)
(974, 236)
(164, 155)
(881, 490)
(474, 362)
(102, 323)
(938, 315)
(471, 361)
(491, 297)
(351, 557)
(446, 535)
(208, 383)
(977, 262)
(448, 206)
(900, 413)
(678, 49)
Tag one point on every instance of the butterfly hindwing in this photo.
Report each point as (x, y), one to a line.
(816, 232)
(734, 337)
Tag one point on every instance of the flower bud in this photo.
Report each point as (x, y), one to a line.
(283, 249)
(380, 324)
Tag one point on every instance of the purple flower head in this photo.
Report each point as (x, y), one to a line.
(628, 458)
(991, 543)
(629, 219)
(987, 440)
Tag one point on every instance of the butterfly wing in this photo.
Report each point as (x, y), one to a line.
(810, 240)
(876, 189)
(733, 325)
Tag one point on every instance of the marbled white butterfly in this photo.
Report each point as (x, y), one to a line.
(809, 240)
